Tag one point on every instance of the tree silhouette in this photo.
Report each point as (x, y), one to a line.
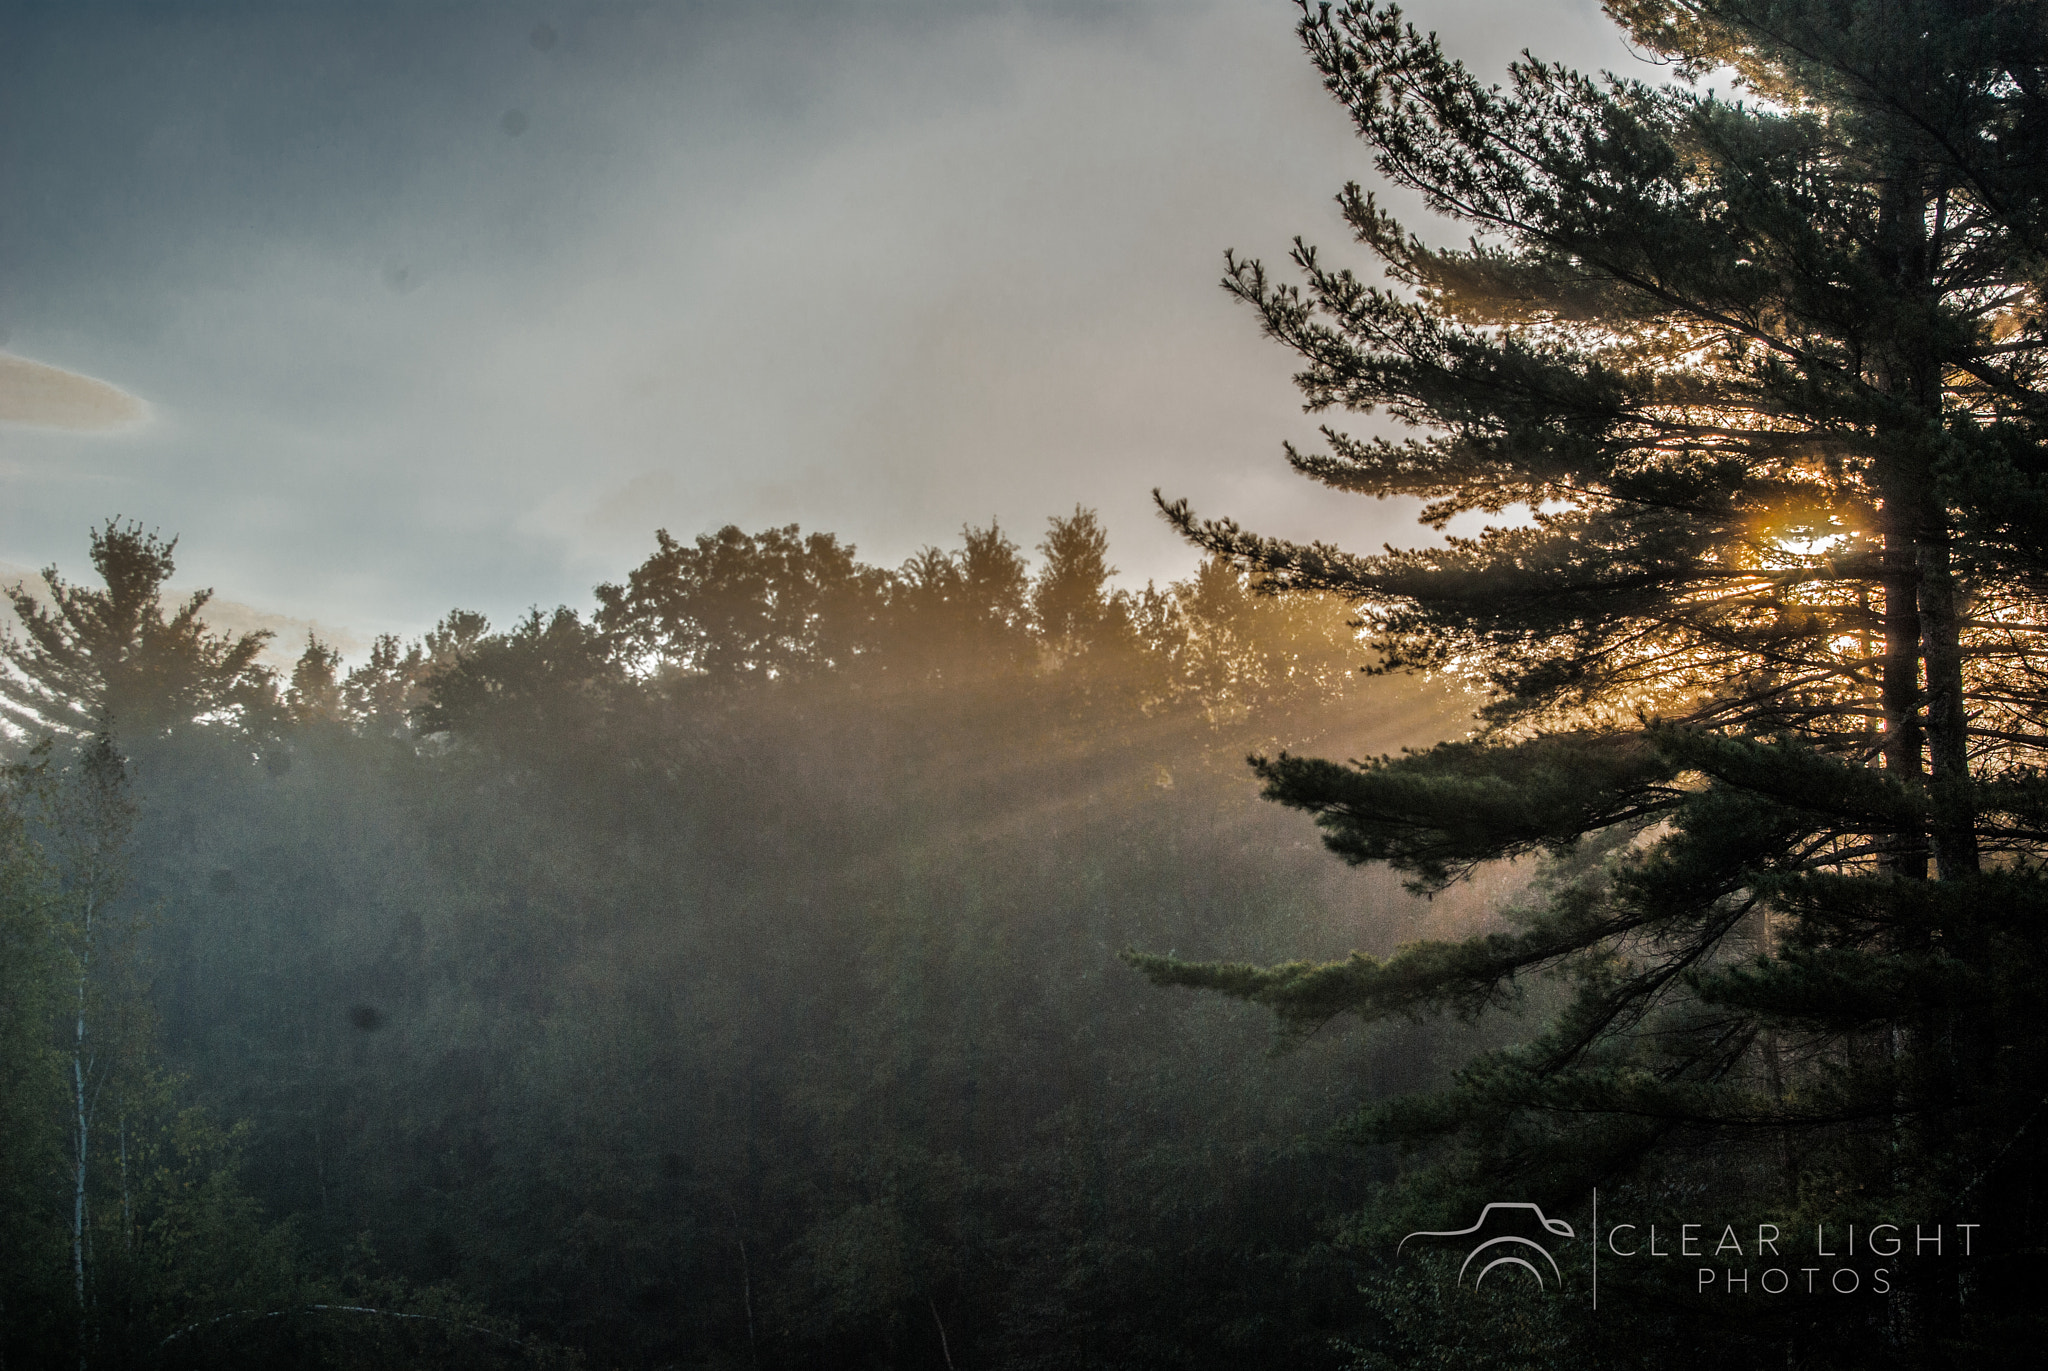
(1768, 379)
(113, 661)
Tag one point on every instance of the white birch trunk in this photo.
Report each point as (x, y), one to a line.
(81, 1071)
(82, 1139)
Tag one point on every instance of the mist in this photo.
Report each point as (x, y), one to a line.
(704, 945)
(728, 972)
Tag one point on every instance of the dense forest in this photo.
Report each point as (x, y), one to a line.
(787, 961)
(726, 976)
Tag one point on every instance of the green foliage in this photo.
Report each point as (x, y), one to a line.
(1428, 1319)
(601, 983)
(106, 660)
(315, 690)
(1767, 380)
(128, 1236)
(1440, 812)
(734, 605)
(963, 613)
(31, 1079)
(1072, 600)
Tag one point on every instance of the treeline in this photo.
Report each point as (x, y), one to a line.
(723, 977)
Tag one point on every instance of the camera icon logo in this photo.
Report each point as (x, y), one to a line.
(1510, 1232)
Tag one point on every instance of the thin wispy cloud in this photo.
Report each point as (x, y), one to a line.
(43, 396)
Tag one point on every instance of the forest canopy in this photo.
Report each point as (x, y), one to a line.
(724, 976)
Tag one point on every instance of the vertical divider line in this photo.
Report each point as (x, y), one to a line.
(1596, 1247)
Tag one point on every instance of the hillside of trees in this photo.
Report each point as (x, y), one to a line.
(787, 961)
(727, 976)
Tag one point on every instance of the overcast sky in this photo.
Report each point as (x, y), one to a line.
(434, 305)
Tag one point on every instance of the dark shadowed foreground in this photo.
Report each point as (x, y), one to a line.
(729, 978)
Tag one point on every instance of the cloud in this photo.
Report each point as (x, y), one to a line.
(51, 397)
(287, 634)
(877, 269)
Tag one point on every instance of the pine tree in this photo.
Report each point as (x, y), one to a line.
(1076, 607)
(1768, 376)
(113, 661)
(315, 692)
(959, 614)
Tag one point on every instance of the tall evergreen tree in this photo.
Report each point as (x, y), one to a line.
(113, 660)
(1769, 379)
(1076, 608)
(315, 691)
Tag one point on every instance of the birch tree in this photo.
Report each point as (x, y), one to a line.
(90, 819)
